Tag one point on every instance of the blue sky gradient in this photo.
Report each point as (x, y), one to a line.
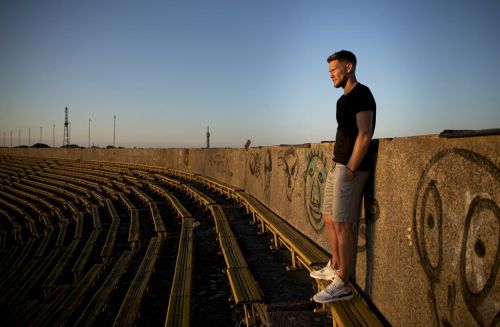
(248, 69)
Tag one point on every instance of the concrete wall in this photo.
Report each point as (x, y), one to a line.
(429, 235)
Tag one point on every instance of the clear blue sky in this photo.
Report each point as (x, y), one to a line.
(252, 69)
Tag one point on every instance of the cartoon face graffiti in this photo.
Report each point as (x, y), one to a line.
(268, 168)
(255, 164)
(456, 226)
(291, 163)
(314, 179)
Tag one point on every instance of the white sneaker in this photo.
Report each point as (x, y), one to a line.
(326, 273)
(336, 291)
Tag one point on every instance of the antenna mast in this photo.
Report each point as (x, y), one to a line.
(208, 138)
(66, 131)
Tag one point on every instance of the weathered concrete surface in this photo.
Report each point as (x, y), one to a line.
(429, 235)
(436, 240)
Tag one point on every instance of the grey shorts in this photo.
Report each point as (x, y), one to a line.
(341, 197)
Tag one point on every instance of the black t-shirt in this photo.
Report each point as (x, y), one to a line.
(359, 99)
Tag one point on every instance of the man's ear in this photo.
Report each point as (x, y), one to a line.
(349, 67)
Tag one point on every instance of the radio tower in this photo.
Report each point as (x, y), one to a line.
(66, 131)
(208, 138)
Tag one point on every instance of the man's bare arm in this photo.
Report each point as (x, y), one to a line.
(364, 120)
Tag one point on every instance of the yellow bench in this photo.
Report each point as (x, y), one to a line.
(301, 248)
(109, 244)
(230, 248)
(61, 236)
(131, 305)
(245, 291)
(134, 233)
(170, 181)
(126, 202)
(221, 187)
(102, 295)
(199, 196)
(74, 299)
(179, 305)
(50, 281)
(79, 226)
(160, 229)
(82, 260)
(96, 218)
(182, 212)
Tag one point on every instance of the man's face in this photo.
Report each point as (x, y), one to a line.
(338, 72)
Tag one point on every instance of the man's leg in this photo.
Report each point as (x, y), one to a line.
(338, 289)
(346, 247)
(332, 240)
(343, 202)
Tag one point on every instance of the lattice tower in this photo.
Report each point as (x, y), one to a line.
(66, 130)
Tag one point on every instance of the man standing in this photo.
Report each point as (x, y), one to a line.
(356, 113)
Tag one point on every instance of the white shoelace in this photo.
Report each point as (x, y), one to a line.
(328, 266)
(332, 286)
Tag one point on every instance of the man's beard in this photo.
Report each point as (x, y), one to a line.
(341, 83)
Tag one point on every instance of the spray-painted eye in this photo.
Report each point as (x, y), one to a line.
(311, 172)
(321, 177)
(480, 256)
(431, 231)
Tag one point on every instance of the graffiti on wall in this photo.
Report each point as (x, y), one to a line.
(261, 170)
(185, 157)
(314, 179)
(255, 164)
(268, 168)
(289, 160)
(456, 231)
(220, 164)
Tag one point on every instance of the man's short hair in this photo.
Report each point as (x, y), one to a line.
(343, 55)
